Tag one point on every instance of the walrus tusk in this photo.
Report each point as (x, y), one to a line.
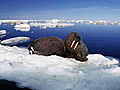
(32, 49)
(76, 45)
(72, 44)
(30, 52)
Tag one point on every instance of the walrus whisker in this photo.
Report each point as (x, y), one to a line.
(76, 45)
(72, 44)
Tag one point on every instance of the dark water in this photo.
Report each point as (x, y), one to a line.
(102, 39)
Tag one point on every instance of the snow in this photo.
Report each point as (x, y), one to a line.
(22, 27)
(15, 40)
(58, 73)
(3, 32)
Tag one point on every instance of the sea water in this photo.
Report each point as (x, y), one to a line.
(100, 39)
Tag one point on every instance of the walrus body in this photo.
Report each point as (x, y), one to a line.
(47, 46)
(72, 47)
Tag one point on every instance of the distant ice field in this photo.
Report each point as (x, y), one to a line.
(58, 73)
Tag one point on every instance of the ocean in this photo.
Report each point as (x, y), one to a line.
(100, 72)
(100, 39)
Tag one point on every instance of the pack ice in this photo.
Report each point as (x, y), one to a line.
(14, 40)
(22, 27)
(58, 73)
(3, 32)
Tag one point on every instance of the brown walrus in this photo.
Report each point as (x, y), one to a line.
(75, 48)
(72, 47)
(47, 46)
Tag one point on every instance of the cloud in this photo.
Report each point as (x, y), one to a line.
(72, 13)
(89, 8)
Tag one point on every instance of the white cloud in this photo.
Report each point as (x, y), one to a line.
(72, 13)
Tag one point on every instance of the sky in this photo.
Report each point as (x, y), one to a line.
(60, 9)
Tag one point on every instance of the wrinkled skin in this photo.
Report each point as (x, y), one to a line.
(72, 47)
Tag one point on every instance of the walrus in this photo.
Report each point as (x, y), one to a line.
(47, 46)
(71, 47)
(75, 47)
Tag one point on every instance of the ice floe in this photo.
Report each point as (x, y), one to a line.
(22, 27)
(15, 40)
(50, 24)
(3, 32)
(58, 73)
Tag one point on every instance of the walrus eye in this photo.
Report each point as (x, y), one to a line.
(77, 38)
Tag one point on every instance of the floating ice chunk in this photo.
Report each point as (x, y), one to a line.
(58, 73)
(3, 32)
(15, 40)
(22, 27)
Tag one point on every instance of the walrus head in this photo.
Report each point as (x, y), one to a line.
(75, 47)
(72, 41)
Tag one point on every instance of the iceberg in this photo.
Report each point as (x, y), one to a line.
(3, 32)
(57, 73)
(15, 40)
(22, 27)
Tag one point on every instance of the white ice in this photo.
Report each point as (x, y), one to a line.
(50, 24)
(22, 27)
(58, 73)
(3, 32)
(15, 40)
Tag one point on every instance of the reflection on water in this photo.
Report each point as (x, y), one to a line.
(103, 39)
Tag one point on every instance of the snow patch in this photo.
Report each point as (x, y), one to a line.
(57, 73)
